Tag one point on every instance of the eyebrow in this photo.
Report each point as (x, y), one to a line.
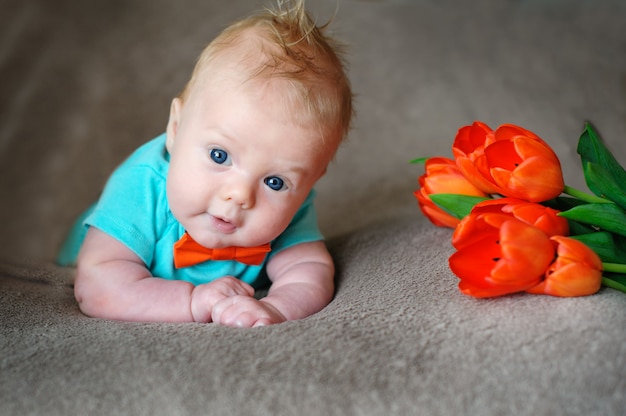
(295, 169)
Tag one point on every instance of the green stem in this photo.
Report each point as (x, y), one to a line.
(613, 284)
(584, 196)
(614, 267)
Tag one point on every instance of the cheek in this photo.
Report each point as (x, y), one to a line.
(274, 219)
(179, 189)
(173, 197)
(186, 195)
(268, 228)
(186, 176)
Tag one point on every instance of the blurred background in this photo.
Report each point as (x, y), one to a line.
(84, 82)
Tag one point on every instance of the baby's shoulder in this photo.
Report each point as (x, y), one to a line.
(151, 158)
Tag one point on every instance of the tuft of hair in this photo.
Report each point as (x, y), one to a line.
(296, 49)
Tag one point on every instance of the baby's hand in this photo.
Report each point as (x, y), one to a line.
(245, 312)
(205, 297)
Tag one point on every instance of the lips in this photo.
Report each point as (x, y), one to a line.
(223, 225)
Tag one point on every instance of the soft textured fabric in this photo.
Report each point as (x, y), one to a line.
(133, 209)
(397, 339)
(85, 82)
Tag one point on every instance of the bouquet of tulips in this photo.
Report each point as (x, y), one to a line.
(517, 226)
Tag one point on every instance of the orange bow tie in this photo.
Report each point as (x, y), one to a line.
(188, 253)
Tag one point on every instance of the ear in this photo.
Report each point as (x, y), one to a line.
(172, 124)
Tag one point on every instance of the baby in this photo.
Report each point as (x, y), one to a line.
(193, 220)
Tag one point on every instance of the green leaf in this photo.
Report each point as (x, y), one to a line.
(576, 228)
(456, 205)
(608, 217)
(592, 150)
(610, 248)
(605, 184)
(419, 160)
(563, 203)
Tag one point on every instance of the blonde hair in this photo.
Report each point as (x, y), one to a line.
(294, 48)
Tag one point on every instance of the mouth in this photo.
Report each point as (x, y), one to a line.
(223, 225)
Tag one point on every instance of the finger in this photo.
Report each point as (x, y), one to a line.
(226, 310)
(242, 312)
(245, 288)
(243, 320)
(262, 322)
(231, 286)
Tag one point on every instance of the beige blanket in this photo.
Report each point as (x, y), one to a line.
(85, 82)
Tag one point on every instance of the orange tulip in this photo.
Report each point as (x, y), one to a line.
(501, 255)
(469, 154)
(544, 218)
(511, 161)
(442, 177)
(522, 165)
(577, 270)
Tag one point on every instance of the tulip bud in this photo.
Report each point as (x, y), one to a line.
(442, 177)
(577, 270)
(501, 255)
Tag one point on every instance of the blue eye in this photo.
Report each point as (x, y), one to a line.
(274, 183)
(219, 156)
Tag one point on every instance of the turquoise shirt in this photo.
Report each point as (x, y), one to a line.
(133, 208)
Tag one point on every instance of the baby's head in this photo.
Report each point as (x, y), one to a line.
(264, 112)
(284, 44)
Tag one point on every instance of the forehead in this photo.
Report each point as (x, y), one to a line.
(248, 62)
(258, 108)
(283, 98)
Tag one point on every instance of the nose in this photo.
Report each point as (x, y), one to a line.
(239, 191)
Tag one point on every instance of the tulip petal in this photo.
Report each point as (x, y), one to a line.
(475, 262)
(577, 270)
(544, 218)
(573, 279)
(468, 150)
(442, 176)
(498, 254)
(486, 291)
(527, 147)
(435, 214)
(572, 250)
(525, 168)
(476, 176)
(472, 229)
(470, 138)
(506, 131)
(526, 253)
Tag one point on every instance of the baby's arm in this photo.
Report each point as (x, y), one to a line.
(112, 282)
(302, 284)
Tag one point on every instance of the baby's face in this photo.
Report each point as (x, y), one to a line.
(239, 166)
